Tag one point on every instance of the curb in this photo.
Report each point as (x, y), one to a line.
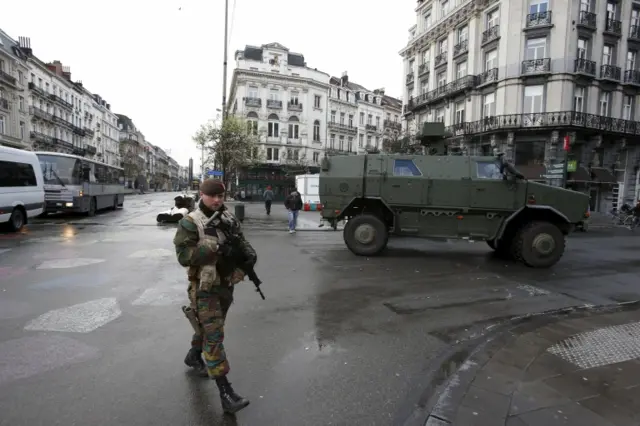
(447, 388)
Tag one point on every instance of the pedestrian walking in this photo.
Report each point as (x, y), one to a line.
(268, 199)
(201, 247)
(293, 203)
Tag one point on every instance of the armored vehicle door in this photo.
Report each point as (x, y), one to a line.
(490, 191)
(375, 170)
(403, 183)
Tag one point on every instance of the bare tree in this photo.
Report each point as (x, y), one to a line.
(131, 161)
(230, 146)
(295, 162)
(401, 142)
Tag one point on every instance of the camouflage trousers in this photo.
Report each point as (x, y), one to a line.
(212, 308)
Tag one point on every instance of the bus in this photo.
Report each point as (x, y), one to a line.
(79, 185)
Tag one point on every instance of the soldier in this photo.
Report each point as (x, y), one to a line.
(201, 248)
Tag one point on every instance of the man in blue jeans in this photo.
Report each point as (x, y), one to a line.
(293, 203)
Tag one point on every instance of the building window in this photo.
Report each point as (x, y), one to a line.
(350, 120)
(463, 34)
(21, 103)
(530, 153)
(611, 11)
(273, 154)
(603, 104)
(342, 116)
(316, 157)
(253, 92)
(350, 144)
(427, 20)
(362, 118)
(316, 131)
(316, 101)
(440, 115)
(2, 124)
(607, 54)
(442, 79)
(462, 69)
(360, 140)
(378, 122)
(578, 99)
(293, 100)
(493, 18)
(293, 131)
(444, 8)
(491, 60)
(533, 99)
(536, 48)
(333, 116)
(274, 95)
(369, 141)
(538, 6)
(627, 107)
(585, 5)
(583, 46)
(631, 60)
(369, 119)
(442, 46)
(489, 105)
(332, 141)
(273, 126)
(459, 112)
(424, 86)
(425, 56)
(341, 143)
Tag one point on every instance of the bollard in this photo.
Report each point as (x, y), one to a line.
(239, 211)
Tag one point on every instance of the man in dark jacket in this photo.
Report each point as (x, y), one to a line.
(293, 203)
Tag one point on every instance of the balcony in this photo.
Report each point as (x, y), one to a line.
(38, 90)
(423, 68)
(567, 120)
(634, 33)
(89, 132)
(4, 104)
(587, 19)
(62, 121)
(8, 78)
(536, 66)
(444, 91)
(410, 78)
(343, 127)
(585, 66)
(491, 34)
(78, 130)
(392, 124)
(61, 101)
(371, 127)
(63, 143)
(40, 113)
(539, 19)
(610, 72)
(41, 137)
(613, 26)
(253, 102)
(440, 59)
(294, 107)
(273, 104)
(632, 77)
(461, 48)
(486, 77)
(91, 150)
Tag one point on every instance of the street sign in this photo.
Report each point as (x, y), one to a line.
(214, 173)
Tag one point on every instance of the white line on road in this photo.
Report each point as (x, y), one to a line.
(604, 346)
(4, 250)
(68, 263)
(80, 318)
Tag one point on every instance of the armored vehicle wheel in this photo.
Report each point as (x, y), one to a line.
(539, 244)
(366, 235)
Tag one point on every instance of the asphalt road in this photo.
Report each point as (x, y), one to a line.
(91, 330)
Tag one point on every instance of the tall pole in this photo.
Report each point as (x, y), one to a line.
(224, 64)
(202, 163)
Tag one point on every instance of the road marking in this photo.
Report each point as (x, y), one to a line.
(152, 253)
(80, 318)
(533, 291)
(4, 251)
(68, 263)
(32, 355)
(162, 296)
(604, 346)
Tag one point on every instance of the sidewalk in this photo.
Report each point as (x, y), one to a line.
(255, 215)
(580, 371)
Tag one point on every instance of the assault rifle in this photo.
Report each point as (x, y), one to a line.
(239, 258)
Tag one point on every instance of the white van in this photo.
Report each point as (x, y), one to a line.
(21, 187)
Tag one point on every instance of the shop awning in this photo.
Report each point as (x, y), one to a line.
(580, 175)
(603, 175)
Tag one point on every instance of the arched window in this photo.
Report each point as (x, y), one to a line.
(316, 131)
(293, 127)
(274, 126)
(252, 123)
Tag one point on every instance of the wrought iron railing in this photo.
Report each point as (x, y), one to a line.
(585, 66)
(610, 72)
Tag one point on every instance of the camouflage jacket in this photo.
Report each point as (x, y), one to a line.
(194, 253)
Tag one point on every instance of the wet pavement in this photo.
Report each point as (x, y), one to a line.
(91, 329)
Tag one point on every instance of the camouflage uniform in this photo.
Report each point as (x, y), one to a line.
(210, 289)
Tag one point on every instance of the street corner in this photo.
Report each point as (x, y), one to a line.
(582, 368)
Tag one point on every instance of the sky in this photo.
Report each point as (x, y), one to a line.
(161, 65)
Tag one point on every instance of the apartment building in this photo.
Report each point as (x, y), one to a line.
(14, 114)
(520, 76)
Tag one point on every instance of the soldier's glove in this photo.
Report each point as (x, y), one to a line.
(225, 250)
(210, 231)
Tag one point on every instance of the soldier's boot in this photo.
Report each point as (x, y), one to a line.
(195, 361)
(231, 401)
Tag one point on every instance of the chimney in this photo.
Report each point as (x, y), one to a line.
(109, 107)
(344, 80)
(25, 45)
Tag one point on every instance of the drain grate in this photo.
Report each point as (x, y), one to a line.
(605, 346)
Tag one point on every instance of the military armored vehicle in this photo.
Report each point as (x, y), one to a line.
(444, 195)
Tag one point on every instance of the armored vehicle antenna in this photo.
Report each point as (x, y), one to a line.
(434, 138)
